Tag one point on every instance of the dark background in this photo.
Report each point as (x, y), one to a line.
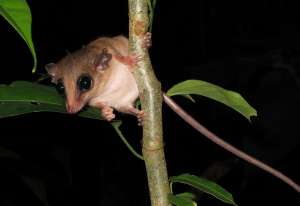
(250, 47)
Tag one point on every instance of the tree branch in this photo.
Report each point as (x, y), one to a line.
(151, 101)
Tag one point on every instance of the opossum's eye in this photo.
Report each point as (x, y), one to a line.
(60, 87)
(84, 83)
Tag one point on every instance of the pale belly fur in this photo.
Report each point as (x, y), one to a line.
(121, 90)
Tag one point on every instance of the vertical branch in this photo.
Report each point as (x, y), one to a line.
(151, 100)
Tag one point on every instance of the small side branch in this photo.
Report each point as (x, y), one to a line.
(214, 138)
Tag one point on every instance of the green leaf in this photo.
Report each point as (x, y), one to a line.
(189, 97)
(187, 195)
(7, 153)
(151, 8)
(206, 186)
(181, 200)
(22, 97)
(229, 98)
(37, 186)
(17, 13)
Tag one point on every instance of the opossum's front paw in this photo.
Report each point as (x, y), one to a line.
(140, 117)
(140, 114)
(107, 113)
(147, 40)
(131, 60)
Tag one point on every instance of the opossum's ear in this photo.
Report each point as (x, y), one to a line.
(51, 69)
(103, 59)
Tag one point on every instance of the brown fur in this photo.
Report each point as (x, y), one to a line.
(108, 85)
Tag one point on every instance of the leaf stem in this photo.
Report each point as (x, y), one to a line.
(116, 126)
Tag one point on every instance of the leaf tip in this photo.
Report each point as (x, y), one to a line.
(252, 115)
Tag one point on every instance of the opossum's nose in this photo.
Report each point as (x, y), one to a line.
(72, 108)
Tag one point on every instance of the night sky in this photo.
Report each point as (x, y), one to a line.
(248, 47)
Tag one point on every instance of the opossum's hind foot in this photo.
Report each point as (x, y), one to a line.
(140, 114)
